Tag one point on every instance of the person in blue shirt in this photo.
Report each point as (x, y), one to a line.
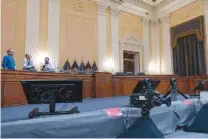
(8, 62)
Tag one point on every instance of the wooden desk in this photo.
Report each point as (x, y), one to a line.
(124, 85)
(12, 92)
(101, 84)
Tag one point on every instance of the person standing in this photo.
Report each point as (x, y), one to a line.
(28, 63)
(8, 62)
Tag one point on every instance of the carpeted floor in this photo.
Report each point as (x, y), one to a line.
(21, 112)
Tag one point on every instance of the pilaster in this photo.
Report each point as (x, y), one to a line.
(114, 38)
(32, 29)
(167, 51)
(53, 32)
(146, 46)
(154, 67)
(206, 32)
(101, 35)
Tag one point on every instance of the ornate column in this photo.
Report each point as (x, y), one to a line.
(114, 38)
(154, 67)
(32, 28)
(206, 32)
(101, 35)
(53, 31)
(167, 49)
(146, 44)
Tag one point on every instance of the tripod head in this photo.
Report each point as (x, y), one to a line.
(147, 83)
(173, 83)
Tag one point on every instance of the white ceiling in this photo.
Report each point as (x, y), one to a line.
(149, 2)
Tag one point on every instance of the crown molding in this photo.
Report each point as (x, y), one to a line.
(139, 11)
(172, 7)
(161, 11)
(205, 3)
(102, 8)
(146, 2)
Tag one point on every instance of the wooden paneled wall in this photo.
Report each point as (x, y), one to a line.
(100, 84)
(12, 92)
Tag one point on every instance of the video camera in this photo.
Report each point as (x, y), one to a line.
(146, 98)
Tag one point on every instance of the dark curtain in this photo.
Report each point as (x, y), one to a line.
(189, 57)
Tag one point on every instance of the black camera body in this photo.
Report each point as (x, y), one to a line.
(147, 98)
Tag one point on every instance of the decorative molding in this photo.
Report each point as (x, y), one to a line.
(148, 2)
(136, 10)
(173, 6)
(79, 6)
(102, 9)
(115, 13)
(165, 18)
(145, 21)
(205, 2)
(133, 40)
(155, 22)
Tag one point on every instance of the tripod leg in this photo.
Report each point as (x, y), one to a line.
(182, 94)
(168, 93)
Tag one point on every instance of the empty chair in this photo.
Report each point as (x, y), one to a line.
(140, 73)
(120, 73)
(129, 73)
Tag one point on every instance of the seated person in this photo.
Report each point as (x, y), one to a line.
(47, 66)
(28, 63)
(8, 62)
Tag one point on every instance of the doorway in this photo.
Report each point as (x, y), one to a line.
(131, 61)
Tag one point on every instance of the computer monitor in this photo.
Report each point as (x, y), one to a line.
(47, 91)
(140, 85)
(52, 92)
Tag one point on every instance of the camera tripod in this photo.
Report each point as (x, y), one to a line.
(173, 91)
